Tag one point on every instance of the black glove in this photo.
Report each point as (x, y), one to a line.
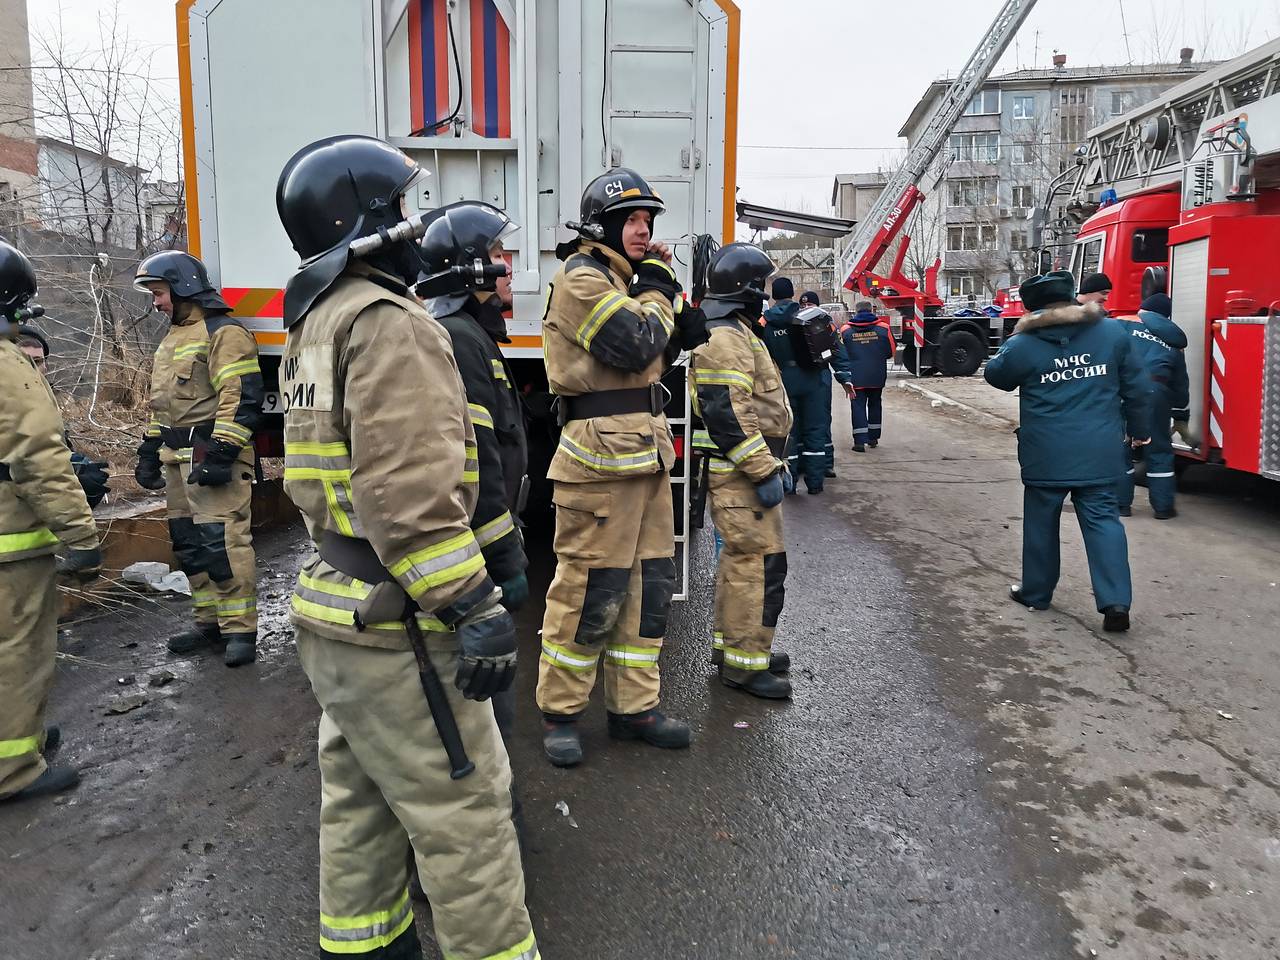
(691, 324)
(148, 472)
(215, 469)
(93, 477)
(486, 650)
(770, 492)
(515, 592)
(83, 566)
(653, 274)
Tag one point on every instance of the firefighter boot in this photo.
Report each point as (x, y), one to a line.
(759, 683)
(242, 648)
(53, 780)
(651, 727)
(779, 663)
(198, 637)
(560, 740)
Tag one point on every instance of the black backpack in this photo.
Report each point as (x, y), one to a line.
(814, 337)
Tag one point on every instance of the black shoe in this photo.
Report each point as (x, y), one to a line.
(778, 662)
(859, 448)
(814, 491)
(873, 444)
(831, 475)
(759, 683)
(1126, 511)
(197, 638)
(53, 780)
(1015, 594)
(1115, 619)
(651, 727)
(52, 741)
(1166, 514)
(560, 740)
(242, 648)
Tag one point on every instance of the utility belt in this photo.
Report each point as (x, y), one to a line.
(352, 557)
(612, 403)
(180, 438)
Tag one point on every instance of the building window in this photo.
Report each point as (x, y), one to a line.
(1024, 151)
(964, 284)
(1073, 126)
(1117, 104)
(1024, 108)
(1022, 196)
(984, 103)
(1018, 240)
(973, 192)
(971, 236)
(980, 147)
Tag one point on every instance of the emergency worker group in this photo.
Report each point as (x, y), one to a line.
(402, 613)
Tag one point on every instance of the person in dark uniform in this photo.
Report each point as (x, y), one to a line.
(868, 343)
(840, 364)
(1082, 389)
(1095, 288)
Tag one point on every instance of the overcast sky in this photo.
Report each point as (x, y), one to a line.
(845, 73)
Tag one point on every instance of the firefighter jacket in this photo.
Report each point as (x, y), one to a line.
(738, 394)
(205, 376)
(497, 415)
(41, 501)
(595, 338)
(1159, 342)
(1081, 389)
(868, 343)
(379, 448)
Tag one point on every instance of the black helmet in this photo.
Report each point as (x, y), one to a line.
(17, 287)
(459, 235)
(330, 193)
(186, 276)
(738, 272)
(618, 189)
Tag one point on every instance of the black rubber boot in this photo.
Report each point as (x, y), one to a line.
(53, 780)
(1166, 514)
(651, 727)
(1115, 619)
(859, 448)
(873, 444)
(197, 638)
(560, 740)
(758, 683)
(52, 741)
(831, 475)
(242, 648)
(1126, 511)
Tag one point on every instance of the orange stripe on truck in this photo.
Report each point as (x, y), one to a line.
(267, 302)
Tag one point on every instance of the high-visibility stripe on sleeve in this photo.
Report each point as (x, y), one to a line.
(662, 265)
(153, 428)
(655, 310)
(238, 369)
(471, 467)
(480, 416)
(495, 529)
(230, 430)
(605, 308)
(746, 448)
(452, 559)
(368, 932)
(19, 747)
(732, 378)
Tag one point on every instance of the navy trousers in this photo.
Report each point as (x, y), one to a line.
(828, 445)
(1104, 543)
(812, 416)
(1161, 481)
(866, 407)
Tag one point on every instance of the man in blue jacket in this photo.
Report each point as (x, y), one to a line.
(1159, 342)
(1082, 389)
(868, 343)
(808, 391)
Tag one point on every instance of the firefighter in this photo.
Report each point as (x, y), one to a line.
(610, 330)
(42, 509)
(381, 458)
(808, 388)
(1159, 342)
(1080, 387)
(206, 403)
(739, 397)
(840, 363)
(868, 343)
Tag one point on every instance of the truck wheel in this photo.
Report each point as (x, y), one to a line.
(960, 354)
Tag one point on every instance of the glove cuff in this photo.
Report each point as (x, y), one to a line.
(473, 601)
(223, 451)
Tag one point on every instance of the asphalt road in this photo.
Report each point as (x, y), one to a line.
(954, 778)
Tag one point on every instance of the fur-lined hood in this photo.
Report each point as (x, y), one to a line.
(1060, 315)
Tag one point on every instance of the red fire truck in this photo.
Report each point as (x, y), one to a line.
(1183, 195)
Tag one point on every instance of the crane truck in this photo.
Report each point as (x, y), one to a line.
(1182, 195)
(509, 101)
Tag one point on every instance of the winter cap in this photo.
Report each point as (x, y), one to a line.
(1050, 288)
(1096, 283)
(1159, 303)
(783, 289)
(810, 296)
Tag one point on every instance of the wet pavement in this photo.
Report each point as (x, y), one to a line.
(954, 778)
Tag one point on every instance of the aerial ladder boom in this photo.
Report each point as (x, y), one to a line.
(877, 231)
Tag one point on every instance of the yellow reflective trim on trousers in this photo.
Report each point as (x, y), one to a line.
(744, 659)
(559, 656)
(727, 377)
(19, 747)
(526, 949)
(717, 640)
(746, 448)
(495, 529)
(605, 308)
(228, 608)
(480, 416)
(366, 933)
(616, 464)
(31, 540)
(204, 598)
(624, 656)
(237, 369)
